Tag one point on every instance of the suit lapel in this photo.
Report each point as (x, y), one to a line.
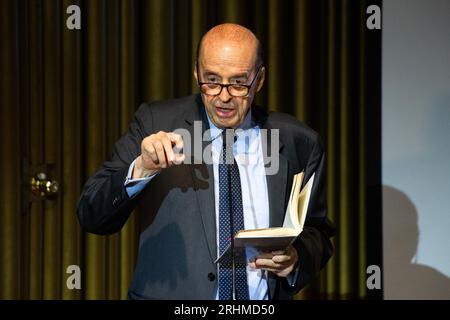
(206, 203)
(276, 188)
(276, 181)
(203, 178)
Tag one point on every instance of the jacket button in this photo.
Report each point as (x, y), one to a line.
(211, 276)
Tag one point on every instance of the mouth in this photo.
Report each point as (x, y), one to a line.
(225, 112)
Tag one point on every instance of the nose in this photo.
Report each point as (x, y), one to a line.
(224, 96)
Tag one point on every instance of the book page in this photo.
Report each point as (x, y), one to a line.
(295, 203)
(266, 232)
(303, 201)
(288, 217)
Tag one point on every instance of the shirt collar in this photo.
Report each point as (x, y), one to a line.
(215, 131)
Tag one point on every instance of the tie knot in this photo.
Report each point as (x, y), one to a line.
(229, 137)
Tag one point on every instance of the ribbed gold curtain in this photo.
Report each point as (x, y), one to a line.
(67, 95)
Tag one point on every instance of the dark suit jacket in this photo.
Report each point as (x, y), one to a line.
(177, 246)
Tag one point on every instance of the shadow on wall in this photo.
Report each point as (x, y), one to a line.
(404, 279)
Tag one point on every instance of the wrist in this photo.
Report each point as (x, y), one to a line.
(139, 171)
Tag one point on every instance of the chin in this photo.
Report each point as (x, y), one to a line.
(225, 123)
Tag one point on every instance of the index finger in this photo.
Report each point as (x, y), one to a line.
(168, 149)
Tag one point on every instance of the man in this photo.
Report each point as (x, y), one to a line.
(186, 207)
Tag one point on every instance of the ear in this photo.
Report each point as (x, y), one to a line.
(262, 77)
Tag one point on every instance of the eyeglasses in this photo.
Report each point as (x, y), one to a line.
(235, 90)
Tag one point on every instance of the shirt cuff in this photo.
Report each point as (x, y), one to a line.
(134, 186)
(291, 277)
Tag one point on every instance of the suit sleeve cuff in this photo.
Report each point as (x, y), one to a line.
(292, 277)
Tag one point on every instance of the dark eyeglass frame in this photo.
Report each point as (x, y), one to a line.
(222, 85)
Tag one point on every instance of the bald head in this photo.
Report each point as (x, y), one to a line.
(229, 35)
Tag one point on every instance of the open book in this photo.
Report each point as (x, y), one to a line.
(249, 243)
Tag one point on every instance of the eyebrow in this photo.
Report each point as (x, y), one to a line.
(240, 75)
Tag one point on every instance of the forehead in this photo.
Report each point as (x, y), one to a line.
(231, 55)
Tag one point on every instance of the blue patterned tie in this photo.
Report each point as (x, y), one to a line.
(228, 168)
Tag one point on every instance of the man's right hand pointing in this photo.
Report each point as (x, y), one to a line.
(157, 153)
